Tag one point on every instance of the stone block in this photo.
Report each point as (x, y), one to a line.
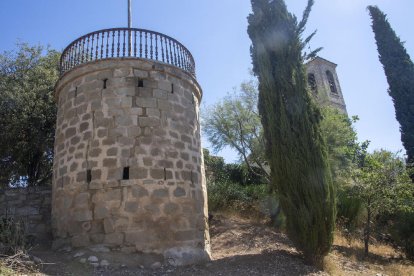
(82, 200)
(114, 239)
(114, 194)
(160, 193)
(157, 173)
(131, 206)
(146, 102)
(126, 102)
(139, 192)
(101, 212)
(153, 112)
(186, 139)
(123, 121)
(95, 152)
(109, 162)
(149, 121)
(147, 161)
(109, 226)
(138, 173)
(171, 208)
(134, 131)
(160, 94)
(125, 91)
(69, 132)
(116, 132)
(140, 73)
(80, 240)
(144, 92)
(112, 151)
(165, 85)
(83, 215)
(185, 156)
(163, 105)
(179, 192)
(122, 72)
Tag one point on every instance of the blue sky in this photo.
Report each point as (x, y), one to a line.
(215, 32)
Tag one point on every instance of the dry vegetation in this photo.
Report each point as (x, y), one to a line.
(244, 246)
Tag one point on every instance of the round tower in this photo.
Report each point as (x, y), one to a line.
(128, 168)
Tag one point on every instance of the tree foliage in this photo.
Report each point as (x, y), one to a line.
(399, 70)
(235, 122)
(27, 115)
(384, 187)
(294, 145)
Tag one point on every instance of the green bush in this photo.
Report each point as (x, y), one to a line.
(402, 232)
(226, 195)
(13, 236)
(348, 207)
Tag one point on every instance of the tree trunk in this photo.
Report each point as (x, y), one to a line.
(367, 231)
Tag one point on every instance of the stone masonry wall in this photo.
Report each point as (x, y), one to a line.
(128, 167)
(32, 206)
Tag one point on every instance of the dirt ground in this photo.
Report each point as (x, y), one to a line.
(239, 247)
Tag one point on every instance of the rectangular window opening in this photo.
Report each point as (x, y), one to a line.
(76, 91)
(165, 174)
(125, 173)
(172, 88)
(105, 81)
(88, 176)
(140, 83)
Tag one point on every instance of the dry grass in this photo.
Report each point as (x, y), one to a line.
(347, 258)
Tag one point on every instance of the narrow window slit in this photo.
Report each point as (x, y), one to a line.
(88, 176)
(125, 173)
(172, 88)
(191, 176)
(105, 82)
(140, 83)
(76, 91)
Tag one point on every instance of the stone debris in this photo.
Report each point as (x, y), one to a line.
(79, 254)
(156, 265)
(93, 259)
(104, 263)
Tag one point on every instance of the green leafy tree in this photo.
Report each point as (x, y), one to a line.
(27, 115)
(235, 122)
(294, 144)
(399, 70)
(384, 187)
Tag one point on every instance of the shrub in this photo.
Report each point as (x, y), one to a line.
(13, 236)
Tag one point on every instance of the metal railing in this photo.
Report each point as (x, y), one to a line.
(126, 43)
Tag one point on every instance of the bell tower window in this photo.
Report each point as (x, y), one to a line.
(331, 82)
(312, 83)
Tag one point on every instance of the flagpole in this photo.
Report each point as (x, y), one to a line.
(129, 27)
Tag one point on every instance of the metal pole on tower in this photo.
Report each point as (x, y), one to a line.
(129, 29)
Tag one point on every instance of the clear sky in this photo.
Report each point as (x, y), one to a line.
(215, 32)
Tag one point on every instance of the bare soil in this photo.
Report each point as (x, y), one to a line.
(239, 247)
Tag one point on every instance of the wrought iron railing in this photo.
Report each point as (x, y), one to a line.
(126, 43)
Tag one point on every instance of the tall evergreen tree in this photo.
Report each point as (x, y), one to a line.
(296, 151)
(399, 70)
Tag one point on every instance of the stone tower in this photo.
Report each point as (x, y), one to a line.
(324, 84)
(128, 167)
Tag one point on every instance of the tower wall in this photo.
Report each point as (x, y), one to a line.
(323, 94)
(128, 167)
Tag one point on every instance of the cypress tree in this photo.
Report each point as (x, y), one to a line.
(296, 151)
(399, 70)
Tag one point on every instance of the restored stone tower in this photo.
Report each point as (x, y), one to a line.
(128, 167)
(324, 83)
